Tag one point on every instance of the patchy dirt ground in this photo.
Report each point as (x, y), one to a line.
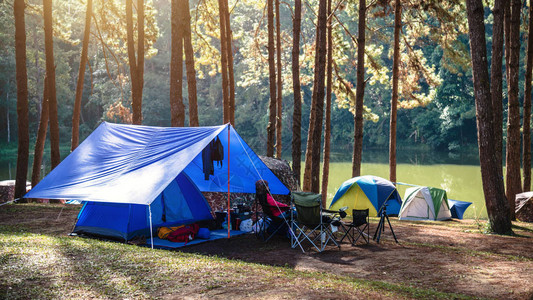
(451, 256)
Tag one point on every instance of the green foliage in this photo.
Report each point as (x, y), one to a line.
(435, 77)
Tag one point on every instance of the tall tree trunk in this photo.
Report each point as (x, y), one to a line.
(51, 75)
(312, 156)
(136, 63)
(359, 93)
(177, 110)
(279, 83)
(189, 64)
(394, 99)
(131, 59)
(74, 141)
(496, 78)
(229, 53)
(497, 205)
(8, 122)
(137, 107)
(297, 113)
(507, 33)
(22, 99)
(41, 138)
(512, 158)
(527, 104)
(224, 60)
(271, 128)
(327, 125)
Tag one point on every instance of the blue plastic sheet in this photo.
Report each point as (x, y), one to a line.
(134, 164)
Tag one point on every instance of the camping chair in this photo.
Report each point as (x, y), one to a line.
(270, 224)
(308, 222)
(360, 219)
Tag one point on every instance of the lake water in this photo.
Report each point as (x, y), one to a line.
(459, 175)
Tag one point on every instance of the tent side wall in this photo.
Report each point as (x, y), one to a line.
(354, 198)
(180, 203)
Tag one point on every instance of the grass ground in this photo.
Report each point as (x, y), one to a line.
(435, 260)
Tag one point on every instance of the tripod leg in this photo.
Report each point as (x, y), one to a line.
(390, 226)
(381, 227)
(378, 229)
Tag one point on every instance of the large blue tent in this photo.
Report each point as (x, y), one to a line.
(129, 173)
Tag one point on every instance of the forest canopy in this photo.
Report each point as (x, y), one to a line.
(435, 97)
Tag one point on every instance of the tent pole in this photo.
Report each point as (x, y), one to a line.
(229, 213)
(151, 232)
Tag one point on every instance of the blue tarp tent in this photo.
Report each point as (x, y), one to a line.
(126, 171)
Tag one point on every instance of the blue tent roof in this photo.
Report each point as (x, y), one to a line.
(134, 164)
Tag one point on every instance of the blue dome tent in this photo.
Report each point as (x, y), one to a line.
(134, 177)
(367, 191)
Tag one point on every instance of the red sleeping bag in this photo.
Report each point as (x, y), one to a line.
(184, 234)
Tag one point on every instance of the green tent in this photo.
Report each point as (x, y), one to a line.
(425, 203)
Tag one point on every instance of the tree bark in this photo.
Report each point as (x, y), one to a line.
(497, 205)
(271, 128)
(312, 156)
(297, 112)
(279, 83)
(327, 126)
(51, 75)
(132, 60)
(512, 158)
(177, 110)
(189, 64)
(8, 122)
(74, 141)
(137, 107)
(496, 78)
(224, 60)
(22, 99)
(507, 33)
(41, 138)
(394, 99)
(359, 93)
(527, 104)
(229, 53)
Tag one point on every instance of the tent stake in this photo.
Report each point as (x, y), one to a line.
(151, 232)
(229, 213)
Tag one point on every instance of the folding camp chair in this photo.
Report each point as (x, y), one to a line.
(360, 222)
(270, 224)
(308, 222)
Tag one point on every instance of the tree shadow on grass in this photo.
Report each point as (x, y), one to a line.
(103, 269)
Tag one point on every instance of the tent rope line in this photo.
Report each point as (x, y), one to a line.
(14, 200)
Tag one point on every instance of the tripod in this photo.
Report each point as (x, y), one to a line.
(381, 225)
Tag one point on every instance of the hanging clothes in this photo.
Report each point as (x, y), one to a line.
(214, 152)
(207, 162)
(217, 151)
